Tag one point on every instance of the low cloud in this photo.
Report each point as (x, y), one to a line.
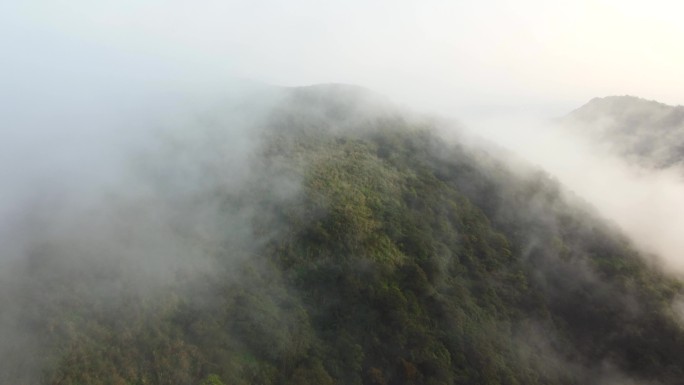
(646, 203)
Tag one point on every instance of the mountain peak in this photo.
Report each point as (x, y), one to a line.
(621, 105)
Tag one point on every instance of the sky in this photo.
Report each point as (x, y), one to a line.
(452, 57)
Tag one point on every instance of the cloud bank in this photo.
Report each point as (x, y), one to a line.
(647, 203)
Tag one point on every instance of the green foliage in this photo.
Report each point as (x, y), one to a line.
(212, 379)
(402, 260)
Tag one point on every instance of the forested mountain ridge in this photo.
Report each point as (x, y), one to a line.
(645, 132)
(358, 247)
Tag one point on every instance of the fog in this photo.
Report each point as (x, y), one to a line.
(122, 194)
(646, 202)
(97, 161)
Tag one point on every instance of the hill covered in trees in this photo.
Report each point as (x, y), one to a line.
(642, 131)
(338, 240)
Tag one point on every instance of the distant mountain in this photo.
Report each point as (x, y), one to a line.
(350, 245)
(643, 131)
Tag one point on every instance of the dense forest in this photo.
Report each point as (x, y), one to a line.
(353, 244)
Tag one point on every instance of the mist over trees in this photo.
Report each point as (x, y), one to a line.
(645, 132)
(321, 235)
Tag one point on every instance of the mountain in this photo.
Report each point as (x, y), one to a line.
(645, 132)
(346, 242)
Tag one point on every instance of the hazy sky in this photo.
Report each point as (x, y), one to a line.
(432, 54)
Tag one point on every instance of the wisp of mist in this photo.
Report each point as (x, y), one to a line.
(646, 203)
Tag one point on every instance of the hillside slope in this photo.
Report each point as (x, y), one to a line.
(369, 251)
(645, 132)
